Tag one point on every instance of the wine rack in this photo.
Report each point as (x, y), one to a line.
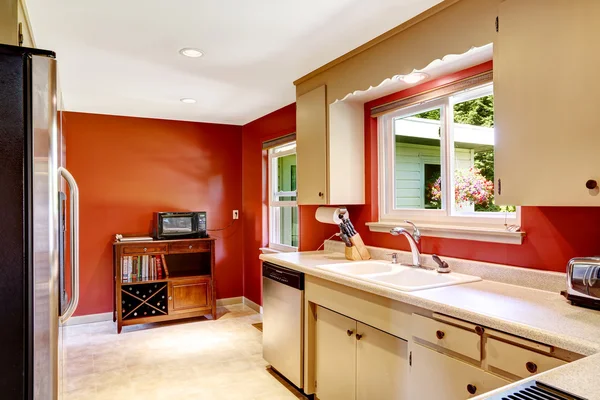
(148, 291)
(144, 300)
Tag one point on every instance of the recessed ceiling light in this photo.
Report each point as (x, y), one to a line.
(191, 52)
(187, 100)
(414, 77)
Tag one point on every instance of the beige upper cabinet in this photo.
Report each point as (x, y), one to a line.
(546, 58)
(311, 146)
(329, 150)
(25, 36)
(14, 24)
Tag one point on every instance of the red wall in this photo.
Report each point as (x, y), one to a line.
(127, 168)
(255, 202)
(554, 234)
(254, 196)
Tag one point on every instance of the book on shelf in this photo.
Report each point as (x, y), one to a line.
(159, 268)
(143, 268)
(164, 265)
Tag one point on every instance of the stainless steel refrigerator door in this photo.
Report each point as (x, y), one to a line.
(45, 229)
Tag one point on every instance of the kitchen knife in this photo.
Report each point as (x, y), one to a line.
(346, 240)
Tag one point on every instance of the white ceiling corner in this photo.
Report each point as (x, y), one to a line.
(121, 57)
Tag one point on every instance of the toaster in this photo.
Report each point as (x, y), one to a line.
(583, 282)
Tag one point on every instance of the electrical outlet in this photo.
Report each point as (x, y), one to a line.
(236, 214)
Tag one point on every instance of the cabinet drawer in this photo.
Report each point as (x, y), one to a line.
(517, 360)
(447, 336)
(187, 295)
(145, 249)
(434, 375)
(189, 247)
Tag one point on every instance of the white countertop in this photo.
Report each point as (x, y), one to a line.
(530, 313)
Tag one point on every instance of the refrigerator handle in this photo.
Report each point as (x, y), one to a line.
(74, 232)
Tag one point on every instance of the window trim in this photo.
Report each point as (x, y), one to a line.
(444, 222)
(272, 155)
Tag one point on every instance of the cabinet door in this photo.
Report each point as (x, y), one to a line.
(188, 295)
(335, 356)
(381, 365)
(311, 146)
(545, 86)
(434, 375)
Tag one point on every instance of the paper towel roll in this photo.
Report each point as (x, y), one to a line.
(331, 215)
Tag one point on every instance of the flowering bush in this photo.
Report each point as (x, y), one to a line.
(471, 187)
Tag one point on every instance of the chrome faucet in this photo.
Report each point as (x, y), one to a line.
(413, 241)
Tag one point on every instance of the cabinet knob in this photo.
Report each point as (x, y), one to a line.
(349, 332)
(479, 330)
(190, 247)
(591, 184)
(170, 297)
(440, 334)
(531, 367)
(472, 389)
(358, 336)
(320, 194)
(145, 249)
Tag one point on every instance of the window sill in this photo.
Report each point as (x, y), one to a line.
(480, 234)
(278, 248)
(266, 250)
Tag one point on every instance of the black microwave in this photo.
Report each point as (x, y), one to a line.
(179, 225)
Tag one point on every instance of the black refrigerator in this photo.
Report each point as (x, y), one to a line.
(38, 293)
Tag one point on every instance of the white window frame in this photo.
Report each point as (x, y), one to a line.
(273, 218)
(445, 222)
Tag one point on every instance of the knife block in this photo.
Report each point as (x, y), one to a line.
(358, 251)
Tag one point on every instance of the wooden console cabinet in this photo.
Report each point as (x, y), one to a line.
(186, 289)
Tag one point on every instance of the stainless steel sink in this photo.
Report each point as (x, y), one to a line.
(397, 276)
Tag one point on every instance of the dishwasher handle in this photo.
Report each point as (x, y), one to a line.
(286, 276)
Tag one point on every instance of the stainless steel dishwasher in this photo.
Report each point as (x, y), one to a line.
(283, 324)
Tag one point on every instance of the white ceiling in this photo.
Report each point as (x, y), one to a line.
(121, 57)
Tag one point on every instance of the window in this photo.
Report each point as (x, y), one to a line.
(437, 162)
(283, 206)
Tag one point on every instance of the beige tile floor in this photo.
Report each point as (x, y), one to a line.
(197, 359)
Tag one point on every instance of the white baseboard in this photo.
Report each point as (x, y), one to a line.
(89, 319)
(102, 317)
(253, 305)
(230, 300)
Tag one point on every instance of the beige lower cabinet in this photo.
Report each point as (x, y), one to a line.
(335, 356)
(381, 365)
(434, 375)
(356, 361)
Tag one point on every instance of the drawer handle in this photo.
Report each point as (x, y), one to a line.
(190, 246)
(145, 249)
(349, 332)
(440, 334)
(591, 184)
(358, 336)
(479, 330)
(531, 367)
(472, 389)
